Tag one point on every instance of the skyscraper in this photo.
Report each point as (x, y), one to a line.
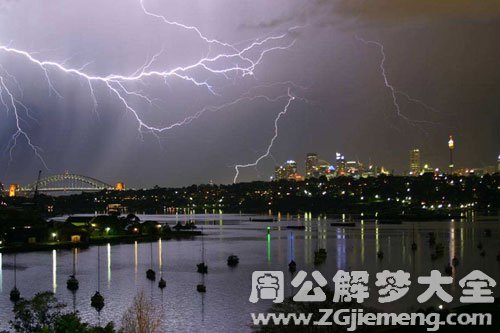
(311, 165)
(415, 162)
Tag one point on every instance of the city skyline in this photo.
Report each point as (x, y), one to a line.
(311, 161)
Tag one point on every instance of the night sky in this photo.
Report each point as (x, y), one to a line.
(444, 54)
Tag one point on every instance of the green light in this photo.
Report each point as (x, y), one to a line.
(268, 247)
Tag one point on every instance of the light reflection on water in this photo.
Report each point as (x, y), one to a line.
(225, 306)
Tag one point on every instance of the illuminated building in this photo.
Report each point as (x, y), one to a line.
(451, 147)
(13, 189)
(427, 168)
(296, 177)
(498, 163)
(324, 168)
(311, 165)
(415, 162)
(340, 164)
(286, 170)
(120, 186)
(353, 168)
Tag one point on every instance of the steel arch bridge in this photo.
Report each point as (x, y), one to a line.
(67, 182)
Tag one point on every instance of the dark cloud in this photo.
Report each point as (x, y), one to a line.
(332, 12)
(402, 10)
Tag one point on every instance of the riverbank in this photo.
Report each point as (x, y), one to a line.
(123, 239)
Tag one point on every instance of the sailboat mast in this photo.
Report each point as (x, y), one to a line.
(74, 257)
(202, 247)
(15, 271)
(151, 263)
(98, 268)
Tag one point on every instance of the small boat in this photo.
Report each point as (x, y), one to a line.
(455, 261)
(233, 260)
(162, 283)
(380, 254)
(201, 288)
(202, 268)
(97, 301)
(150, 274)
(390, 221)
(292, 266)
(72, 283)
(320, 253)
(296, 227)
(448, 269)
(15, 295)
(343, 224)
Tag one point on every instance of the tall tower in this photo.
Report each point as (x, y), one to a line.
(415, 162)
(451, 146)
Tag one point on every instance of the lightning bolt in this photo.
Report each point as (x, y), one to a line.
(230, 61)
(393, 91)
(271, 143)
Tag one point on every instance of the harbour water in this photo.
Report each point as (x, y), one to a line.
(225, 305)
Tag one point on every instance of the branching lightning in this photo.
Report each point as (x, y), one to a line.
(393, 91)
(271, 143)
(230, 60)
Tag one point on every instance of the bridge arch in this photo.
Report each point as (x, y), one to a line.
(67, 182)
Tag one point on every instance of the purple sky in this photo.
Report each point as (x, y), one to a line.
(445, 54)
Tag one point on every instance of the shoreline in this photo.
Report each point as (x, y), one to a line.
(113, 240)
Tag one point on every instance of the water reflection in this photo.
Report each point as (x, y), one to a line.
(160, 255)
(268, 246)
(108, 247)
(341, 249)
(228, 288)
(291, 249)
(362, 242)
(54, 271)
(1, 273)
